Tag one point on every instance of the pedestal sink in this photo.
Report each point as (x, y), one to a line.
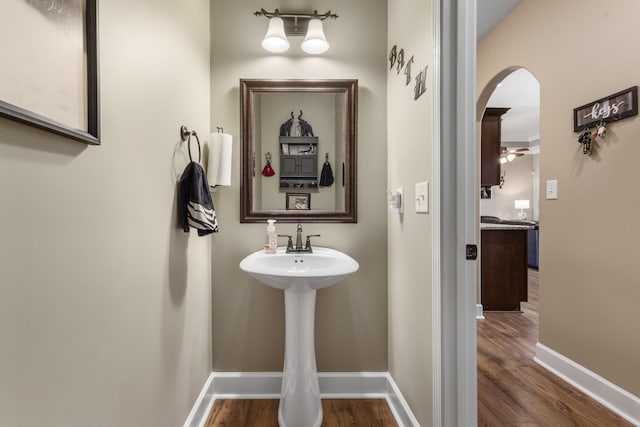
(300, 275)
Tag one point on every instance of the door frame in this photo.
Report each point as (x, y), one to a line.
(458, 189)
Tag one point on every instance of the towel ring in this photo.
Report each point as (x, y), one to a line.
(189, 146)
(186, 136)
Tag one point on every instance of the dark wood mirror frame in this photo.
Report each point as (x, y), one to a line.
(248, 87)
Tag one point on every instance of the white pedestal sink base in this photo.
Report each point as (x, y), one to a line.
(300, 275)
(300, 404)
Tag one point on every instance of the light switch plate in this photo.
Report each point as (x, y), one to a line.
(422, 197)
(552, 189)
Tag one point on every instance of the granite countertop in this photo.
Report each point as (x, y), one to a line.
(497, 226)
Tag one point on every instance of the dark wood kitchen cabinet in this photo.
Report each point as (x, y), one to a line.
(490, 142)
(503, 269)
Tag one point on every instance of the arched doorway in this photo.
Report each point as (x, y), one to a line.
(511, 335)
(517, 90)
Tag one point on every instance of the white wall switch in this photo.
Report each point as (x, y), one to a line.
(552, 189)
(422, 197)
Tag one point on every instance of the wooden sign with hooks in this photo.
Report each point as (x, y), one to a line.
(609, 109)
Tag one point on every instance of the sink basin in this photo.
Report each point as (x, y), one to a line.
(299, 276)
(320, 269)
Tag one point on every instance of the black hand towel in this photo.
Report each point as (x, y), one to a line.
(326, 176)
(195, 206)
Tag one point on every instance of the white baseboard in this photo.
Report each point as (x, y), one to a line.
(203, 405)
(333, 385)
(479, 312)
(400, 408)
(610, 395)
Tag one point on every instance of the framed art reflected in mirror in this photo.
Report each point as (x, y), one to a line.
(298, 201)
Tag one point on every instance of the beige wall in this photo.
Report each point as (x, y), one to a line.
(579, 50)
(104, 301)
(410, 235)
(351, 317)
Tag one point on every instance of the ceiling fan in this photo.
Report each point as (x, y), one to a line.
(510, 154)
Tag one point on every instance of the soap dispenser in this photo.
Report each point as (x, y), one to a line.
(271, 243)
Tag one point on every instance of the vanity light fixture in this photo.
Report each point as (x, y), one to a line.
(275, 40)
(315, 42)
(283, 24)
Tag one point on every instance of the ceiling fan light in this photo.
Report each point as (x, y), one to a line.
(275, 40)
(315, 41)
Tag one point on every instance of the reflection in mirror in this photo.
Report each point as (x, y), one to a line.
(298, 150)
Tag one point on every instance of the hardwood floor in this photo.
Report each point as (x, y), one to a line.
(513, 390)
(264, 413)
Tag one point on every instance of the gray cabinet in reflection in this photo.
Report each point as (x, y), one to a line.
(298, 162)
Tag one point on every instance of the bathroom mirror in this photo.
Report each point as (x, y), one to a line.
(298, 150)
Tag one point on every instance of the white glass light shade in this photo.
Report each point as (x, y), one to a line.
(503, 160)
(510, 157)
(315, 42)
(275, 40)
(521, 204)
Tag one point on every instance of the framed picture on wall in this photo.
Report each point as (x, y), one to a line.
(50, 77)
(298, 201)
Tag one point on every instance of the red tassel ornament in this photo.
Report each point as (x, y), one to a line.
(267, 170)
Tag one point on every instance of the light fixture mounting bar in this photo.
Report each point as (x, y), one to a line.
(296, 24)
(283, 15)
